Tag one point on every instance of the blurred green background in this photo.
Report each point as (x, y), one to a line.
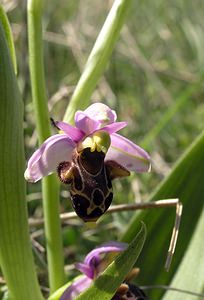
(154, 81)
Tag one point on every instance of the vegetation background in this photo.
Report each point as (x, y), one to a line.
(154, 81)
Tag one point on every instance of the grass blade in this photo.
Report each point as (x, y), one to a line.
(98, 58)
(16, 258)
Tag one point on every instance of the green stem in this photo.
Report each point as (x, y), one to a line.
(50, 186)
(98, 58)
(16, 258)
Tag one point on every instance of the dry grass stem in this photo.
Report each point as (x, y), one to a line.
(114, 209)
(166, 287)
(174, 236)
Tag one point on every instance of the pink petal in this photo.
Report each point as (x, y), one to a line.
(101, 113)
(94, 117)
(74, 133)
(104, 248)
(76, 288)
(91, 262)
(45, 160)
(85, 269)
(85, 123)
(114, 127)
(128, 154)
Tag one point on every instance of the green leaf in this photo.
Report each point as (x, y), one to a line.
(105, 286)
(9, 37)
(186, 183)
(16, 258)
(98, 58)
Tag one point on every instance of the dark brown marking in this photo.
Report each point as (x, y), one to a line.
(108, 200)
(109, 182)
(77, 180)
(97, 197)
(95, 214)
(92, 162)
(80, 205)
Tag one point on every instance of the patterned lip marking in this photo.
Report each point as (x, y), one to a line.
(80, 204)
(77, 179)
(91, 162)
(91, 192)
(97, 197)
(95, 214)
(108, 200)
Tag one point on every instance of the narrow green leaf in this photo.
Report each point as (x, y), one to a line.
(98, 58)
(16, 258)
(186, 183)
(9, 36)
(106, 285)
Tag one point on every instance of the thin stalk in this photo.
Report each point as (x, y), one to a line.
(16, 257)
(98, 58)
(50, 185)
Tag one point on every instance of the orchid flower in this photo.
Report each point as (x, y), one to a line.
(94, 263)
(88, 156)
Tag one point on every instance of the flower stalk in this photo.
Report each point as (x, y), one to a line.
(50, 185)
(16, 258)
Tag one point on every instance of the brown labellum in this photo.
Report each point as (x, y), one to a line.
(90, 179)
